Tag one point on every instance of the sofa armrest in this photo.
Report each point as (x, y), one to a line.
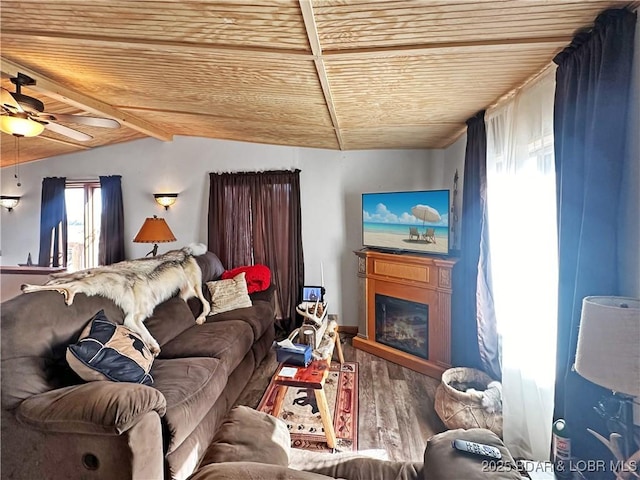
(442, 461)
(95, 407)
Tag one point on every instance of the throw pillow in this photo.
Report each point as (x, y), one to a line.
(108, 351)
(229, 294)
(258, 277)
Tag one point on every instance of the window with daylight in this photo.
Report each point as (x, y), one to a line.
(521, 204)
(84, 207)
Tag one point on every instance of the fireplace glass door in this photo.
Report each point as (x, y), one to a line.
(403, 325)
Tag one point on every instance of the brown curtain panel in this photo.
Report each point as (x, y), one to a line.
(255, 218)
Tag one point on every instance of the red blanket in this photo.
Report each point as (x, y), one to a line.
(258, 277)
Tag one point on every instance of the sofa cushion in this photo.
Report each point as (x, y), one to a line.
(442, 461)
(247, 435)
(108, 351)
(170, 319)
(229, 294)
(360, 465)
(258, 277)
(267, 295)
(210, 266)
(35, 363)
(259, 317)
(251, 471)
(190, 387)
(227, 341)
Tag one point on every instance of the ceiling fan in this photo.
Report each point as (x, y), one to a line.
(24, 116)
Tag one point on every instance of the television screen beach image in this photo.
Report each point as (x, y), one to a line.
(407, 221)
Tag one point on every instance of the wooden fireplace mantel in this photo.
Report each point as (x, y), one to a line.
(417, 278)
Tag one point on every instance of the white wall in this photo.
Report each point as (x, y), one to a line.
(454, 160)
(331, 185)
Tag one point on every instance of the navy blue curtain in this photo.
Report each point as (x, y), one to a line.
(111, 246)
(474, 340)
(590, 129)
(53, 223)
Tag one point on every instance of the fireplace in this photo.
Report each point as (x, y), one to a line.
(404, 309)
(402, 324)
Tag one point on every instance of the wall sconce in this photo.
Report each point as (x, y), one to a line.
(165, 199)
(9, 202)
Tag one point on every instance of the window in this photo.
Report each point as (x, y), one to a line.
(521, 204)
(84, 206)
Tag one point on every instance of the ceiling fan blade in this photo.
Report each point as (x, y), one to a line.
(90, 121)
(68, 132)
(9, 102)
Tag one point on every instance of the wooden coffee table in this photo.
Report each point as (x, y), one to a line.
(313, 377)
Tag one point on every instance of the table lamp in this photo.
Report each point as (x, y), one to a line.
(154, 230)
(608, 354)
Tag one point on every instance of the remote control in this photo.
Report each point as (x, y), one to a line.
(477, 449)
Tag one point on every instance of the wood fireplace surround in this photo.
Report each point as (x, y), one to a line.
(415, 278)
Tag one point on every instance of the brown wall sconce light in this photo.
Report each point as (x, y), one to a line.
(165, 199)
(9, 201)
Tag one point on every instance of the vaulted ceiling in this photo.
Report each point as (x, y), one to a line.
(337, 74)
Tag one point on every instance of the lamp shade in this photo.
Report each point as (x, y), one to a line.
(608, 351)
(154, 230)
(20, 125)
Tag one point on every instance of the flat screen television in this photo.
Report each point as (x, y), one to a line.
(415, 221)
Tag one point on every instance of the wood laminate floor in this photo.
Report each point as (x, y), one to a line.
(396, 411)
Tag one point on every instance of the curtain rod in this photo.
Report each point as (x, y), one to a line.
(229, 172)
(70, 181)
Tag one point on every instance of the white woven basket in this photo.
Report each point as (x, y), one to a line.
(459, 409)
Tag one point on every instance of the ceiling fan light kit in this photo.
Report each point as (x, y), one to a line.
(24, 116)
(20, 125)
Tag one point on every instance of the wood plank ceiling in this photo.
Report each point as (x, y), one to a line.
(336, 74)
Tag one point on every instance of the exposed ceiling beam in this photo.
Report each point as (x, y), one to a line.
(167, 46)
(213, 49)
(316, 50)
(422, 49)
(65, 142)
(79, 100)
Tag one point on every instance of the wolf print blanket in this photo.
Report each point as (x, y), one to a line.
(137, 286)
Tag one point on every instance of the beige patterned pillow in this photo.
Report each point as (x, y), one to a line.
(229, 294)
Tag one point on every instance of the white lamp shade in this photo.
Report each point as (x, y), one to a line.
(20, 126)
(608, 351)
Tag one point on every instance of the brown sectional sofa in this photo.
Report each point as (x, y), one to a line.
(54, 425)
(252, 445)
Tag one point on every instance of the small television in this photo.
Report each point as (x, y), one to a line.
(416, 221)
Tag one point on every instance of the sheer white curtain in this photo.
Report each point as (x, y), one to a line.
(522, 230)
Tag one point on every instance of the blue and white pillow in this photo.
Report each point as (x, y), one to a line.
(108, 351)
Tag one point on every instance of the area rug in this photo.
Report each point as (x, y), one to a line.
(300, 412)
